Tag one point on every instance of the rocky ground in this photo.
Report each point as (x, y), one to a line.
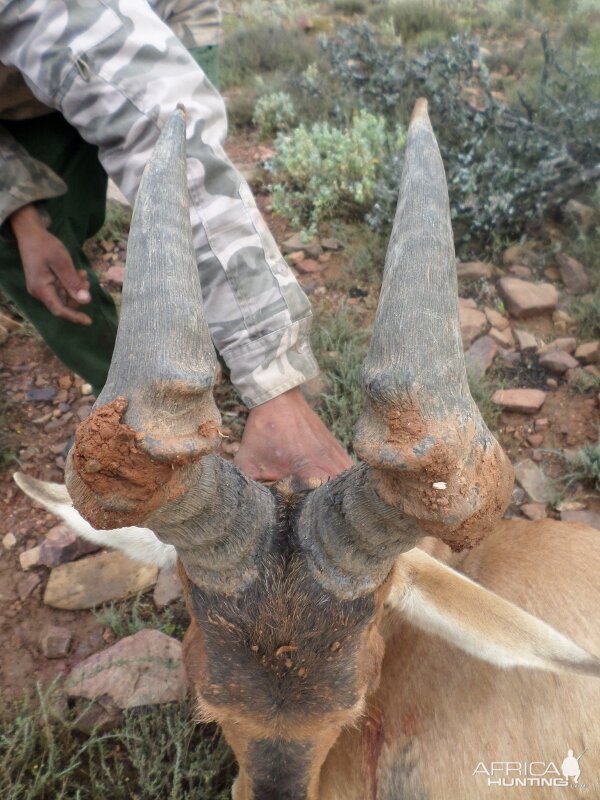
(540, 394)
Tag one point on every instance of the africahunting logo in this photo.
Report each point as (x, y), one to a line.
(511, 774)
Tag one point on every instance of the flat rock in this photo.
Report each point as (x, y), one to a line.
(591, 518)
(532, 480)
(41, 393)
(503, 338)
(473, 270)
(566, 343)
(295, 242)
(140, 670)
(573, 274)
(534, 510)
(525, 299)
(310, 265)
(9, 540)
(97, 579)
(520, 254)
(29, 559)
(472, 324)
(331, 243)
(558, 361)
(466, 302)
(168, 587)
(496, 319)
(526, 342)
(480, 356)
(525, 401)
(55, 641)
(588, 352)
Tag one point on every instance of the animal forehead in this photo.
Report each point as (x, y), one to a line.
(283, 644)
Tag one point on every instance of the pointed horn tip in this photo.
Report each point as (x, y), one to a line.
(419, 115)
(181, 111)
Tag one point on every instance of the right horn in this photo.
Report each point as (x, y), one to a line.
(434, 468)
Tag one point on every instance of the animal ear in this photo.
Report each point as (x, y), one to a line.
(140, 544)
(441, 601)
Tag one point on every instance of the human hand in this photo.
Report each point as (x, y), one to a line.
(284, 436)
(50, 275)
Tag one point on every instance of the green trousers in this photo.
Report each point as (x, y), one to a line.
(75, 217)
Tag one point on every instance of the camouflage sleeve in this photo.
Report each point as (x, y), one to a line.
(116, 72)
(196, 23)
(23, 179)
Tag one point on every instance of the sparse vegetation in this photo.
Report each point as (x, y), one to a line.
(340, 344)
(130, 616)
(584, 465)
(116, 222)
(156, 753)
(273, 113)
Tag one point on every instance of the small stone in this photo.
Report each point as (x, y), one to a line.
(592, 369)
(590, 518)
(296, 257)
(324, 258)
(496, 319)
(331, 244)
(9, 324)
(552, 383)
(558, 361)
(116, 274)
(524, 401)
(65, 381)
(85, 388)
(562, 320)
(520, 254)
(97, 579)
(541, 423)
(536, 455)
(573, 274)
(535, 439)
(473, 270)
(83, 412)
(570, 505)
(139, 670)
(168, 587)
(30, 558)
(480, 356)
(520, 271)
(534, 511)
(588, 352)
(309, 265)
(584, 216)
(531, 478)
(525, 299)
(26, 584)
(526, 342)
(472, 324)
(552, 274)
(55, 642)
(503, 338)
(41, 394)
(295, 242)
(61, 545)
(466, 302)
(9, 541)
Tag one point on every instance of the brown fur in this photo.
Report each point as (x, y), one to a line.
(443, 711)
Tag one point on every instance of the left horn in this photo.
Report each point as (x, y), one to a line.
(142, 457)
(434, 468)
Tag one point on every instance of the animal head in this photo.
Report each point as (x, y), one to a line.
(286, 588)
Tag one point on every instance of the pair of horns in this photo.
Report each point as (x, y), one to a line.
(429, 465)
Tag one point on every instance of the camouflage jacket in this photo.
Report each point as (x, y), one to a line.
(116, 71)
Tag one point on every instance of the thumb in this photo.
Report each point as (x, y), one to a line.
(72, 281)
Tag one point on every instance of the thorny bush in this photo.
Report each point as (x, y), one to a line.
(506, 166)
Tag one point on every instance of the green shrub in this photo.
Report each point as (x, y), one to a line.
(584, 465)
(273, 113)
(506, 166)
(325, 171)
